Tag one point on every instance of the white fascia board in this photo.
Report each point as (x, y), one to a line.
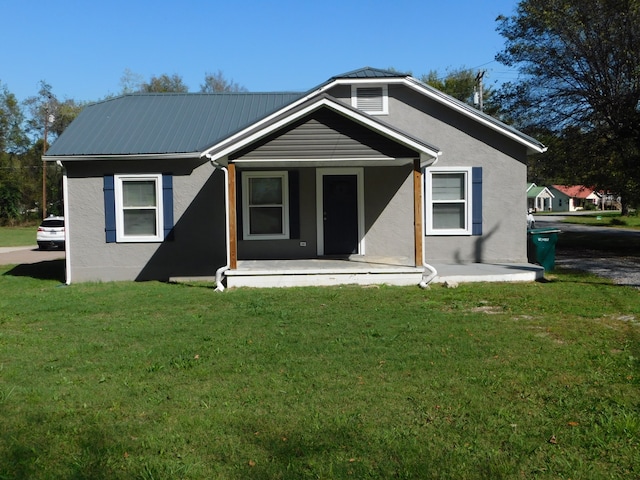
(323, 102)
(141, 156)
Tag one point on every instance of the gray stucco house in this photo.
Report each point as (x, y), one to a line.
(372, 168)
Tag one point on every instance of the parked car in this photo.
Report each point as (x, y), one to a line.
(51, 233)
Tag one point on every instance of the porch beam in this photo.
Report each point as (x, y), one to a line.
(233, 218)
(417, 211)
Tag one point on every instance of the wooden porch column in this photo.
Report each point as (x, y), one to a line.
(417, 211)
(233, 218)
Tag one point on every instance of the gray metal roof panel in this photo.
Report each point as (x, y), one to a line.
(164, 123)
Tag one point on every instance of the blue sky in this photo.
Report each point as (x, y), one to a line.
(82, 48)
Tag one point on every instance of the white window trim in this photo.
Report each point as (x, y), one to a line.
(118, 191)
(246, 219)
(385, 97)
(468, 181)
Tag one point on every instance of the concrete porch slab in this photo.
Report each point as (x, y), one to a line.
(327, 272)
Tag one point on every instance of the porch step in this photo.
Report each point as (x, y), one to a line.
(307, 278)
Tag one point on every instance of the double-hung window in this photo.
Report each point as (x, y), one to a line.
(265, 205)
(453, 200)
(138, 208)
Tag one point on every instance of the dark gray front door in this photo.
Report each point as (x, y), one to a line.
(340, 214)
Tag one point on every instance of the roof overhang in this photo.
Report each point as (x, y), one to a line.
(532, 145)
(221, 151)
(126, 157)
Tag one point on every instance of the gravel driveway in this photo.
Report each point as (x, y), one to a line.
(622, 269)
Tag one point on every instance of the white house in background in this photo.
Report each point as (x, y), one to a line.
(571, 198)
(539, 199)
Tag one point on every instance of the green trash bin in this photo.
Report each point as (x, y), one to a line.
(541, 247)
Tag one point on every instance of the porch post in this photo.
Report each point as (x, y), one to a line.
(417, 211)
(233, 218)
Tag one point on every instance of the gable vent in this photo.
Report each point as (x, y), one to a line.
(370, 99)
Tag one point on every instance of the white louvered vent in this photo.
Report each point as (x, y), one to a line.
(370, 99)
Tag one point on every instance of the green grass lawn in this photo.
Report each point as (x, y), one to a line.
(152, 381)
(601, 219)
(18, 236)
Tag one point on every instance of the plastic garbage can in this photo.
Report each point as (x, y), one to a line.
(541, 247)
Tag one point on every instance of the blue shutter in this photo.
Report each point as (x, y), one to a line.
(167, 205)
(476, 201)
(109, 209)
(294, 204)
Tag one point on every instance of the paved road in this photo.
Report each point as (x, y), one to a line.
(25, 255)
(622, 269)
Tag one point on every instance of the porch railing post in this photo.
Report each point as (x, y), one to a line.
(417, 211)
(233, 219)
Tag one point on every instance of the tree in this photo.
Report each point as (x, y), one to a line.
(12, 137)
(164, 84)
(215, 82)
(580, 67)
(463, 84)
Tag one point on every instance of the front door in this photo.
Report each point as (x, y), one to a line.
(340, 214)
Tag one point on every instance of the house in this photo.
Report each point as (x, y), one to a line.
(571, 198)
(371, 169)
(539, 199)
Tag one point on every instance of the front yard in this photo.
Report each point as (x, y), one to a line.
(150, 380)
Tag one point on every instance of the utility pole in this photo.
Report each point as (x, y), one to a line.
(48, 118)
(479, 92)
(44, 164)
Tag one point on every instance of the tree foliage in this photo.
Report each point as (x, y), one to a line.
(164, 84)
(216, 82)
(463, 84)
(580, 66)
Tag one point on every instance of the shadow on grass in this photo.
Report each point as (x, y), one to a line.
(47, 270)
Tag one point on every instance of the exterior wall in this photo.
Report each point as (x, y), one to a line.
(465, 142)
(388, 212)
(198, 247)
(561, 202)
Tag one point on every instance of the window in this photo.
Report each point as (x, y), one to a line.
(138, 207)
(453, 199)
(265, 205)
(371, 99)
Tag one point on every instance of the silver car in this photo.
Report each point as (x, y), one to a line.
(51, 233)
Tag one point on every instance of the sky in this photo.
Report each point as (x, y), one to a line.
(82, 48)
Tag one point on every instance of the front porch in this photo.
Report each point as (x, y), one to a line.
(354, 271)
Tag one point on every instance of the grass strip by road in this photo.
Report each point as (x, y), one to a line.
(152, 380)
(17, 236)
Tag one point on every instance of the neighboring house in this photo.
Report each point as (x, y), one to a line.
(371, 166)
(539, 199)
(572, 198)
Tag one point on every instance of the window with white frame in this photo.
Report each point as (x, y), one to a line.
(373, 99)
(138, 208)
(265, 205)
(448, 198)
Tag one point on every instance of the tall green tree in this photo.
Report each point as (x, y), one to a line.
(580, 68)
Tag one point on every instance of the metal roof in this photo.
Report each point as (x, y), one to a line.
(163, 123)
(369, 72)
